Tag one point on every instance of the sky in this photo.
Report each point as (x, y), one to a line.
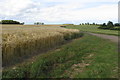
(59, 11)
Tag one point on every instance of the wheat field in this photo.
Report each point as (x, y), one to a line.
(20, 41)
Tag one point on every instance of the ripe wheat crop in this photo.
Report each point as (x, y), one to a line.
(20, 41)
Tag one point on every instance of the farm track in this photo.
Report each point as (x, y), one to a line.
(110, 37)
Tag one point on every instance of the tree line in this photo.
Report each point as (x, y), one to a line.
(110, 26)
(38, 23)
(17, 22)
(10, 22)
(88, 23)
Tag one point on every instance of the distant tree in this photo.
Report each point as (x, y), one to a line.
(38, 23)
(88, 23)
(117, 24)
(82, 23)
(103, 26)
(110, 25)
(93, 23)
(42, 23)
(9, 22)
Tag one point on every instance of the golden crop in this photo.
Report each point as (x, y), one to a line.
(20, 41)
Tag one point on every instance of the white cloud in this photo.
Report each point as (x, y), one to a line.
(68, 14)
(81, 1)
(13, 7)
(72, 11)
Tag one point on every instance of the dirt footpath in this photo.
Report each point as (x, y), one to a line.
(110, 37)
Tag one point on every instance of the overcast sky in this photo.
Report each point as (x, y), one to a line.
(59, 11)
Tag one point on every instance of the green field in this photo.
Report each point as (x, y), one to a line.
(94, 29)
(86, 57)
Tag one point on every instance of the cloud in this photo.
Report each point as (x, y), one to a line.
(81, 1)
(70, 14)
(13, 7)
(70, 11)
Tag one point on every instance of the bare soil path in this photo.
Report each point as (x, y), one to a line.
(110, 37)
